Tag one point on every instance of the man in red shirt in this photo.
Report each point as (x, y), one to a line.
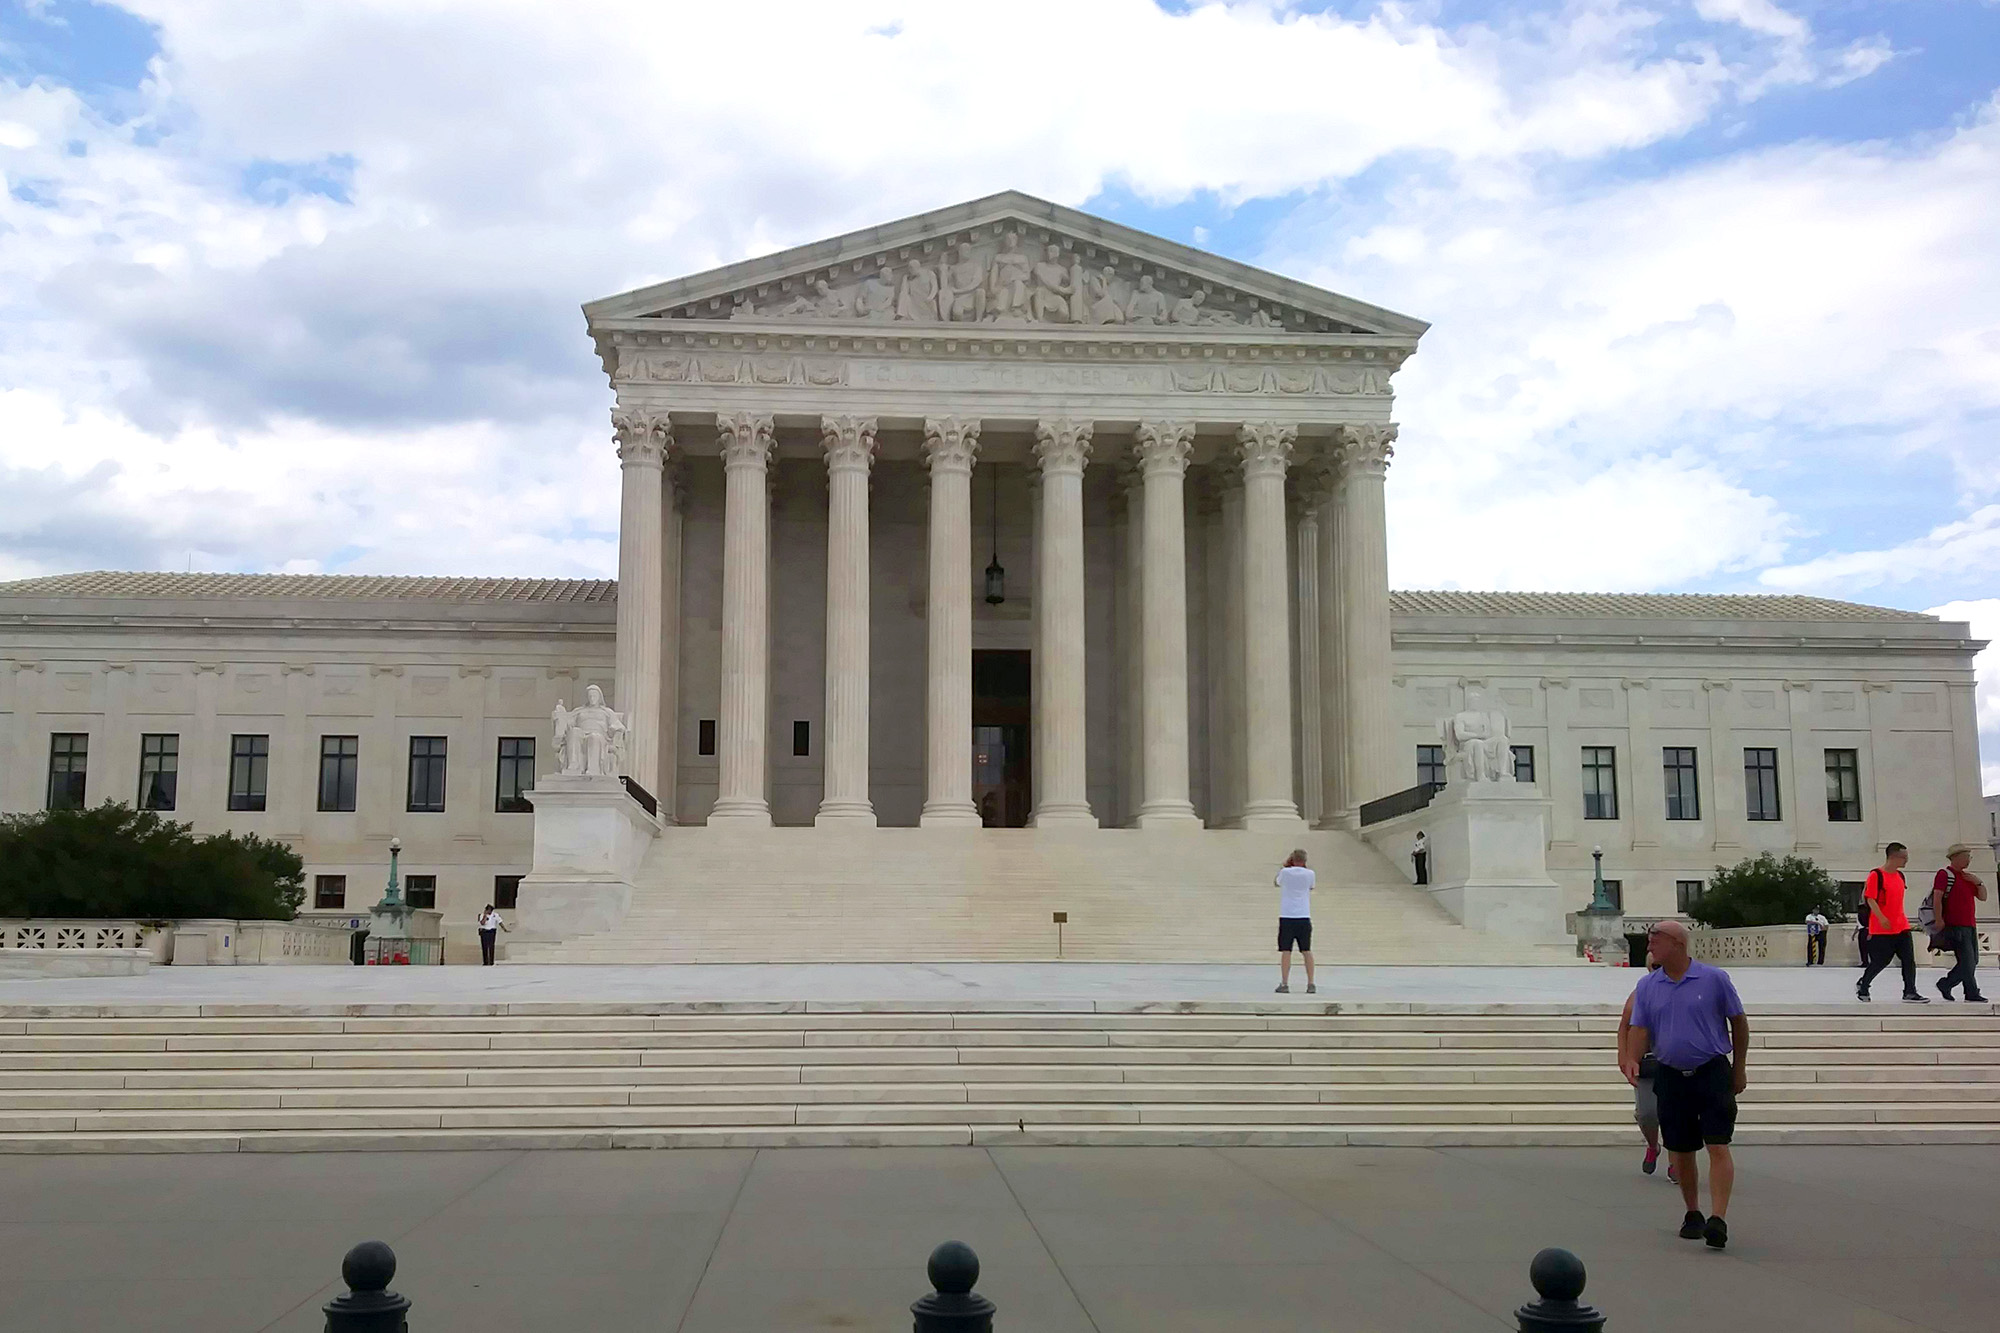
(1889, 924)
(1954, 898)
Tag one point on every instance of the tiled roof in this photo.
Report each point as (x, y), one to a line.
(1640, 606)
(339, 587)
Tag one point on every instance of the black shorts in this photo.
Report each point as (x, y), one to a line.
(1295, 931)
(1697, 1107)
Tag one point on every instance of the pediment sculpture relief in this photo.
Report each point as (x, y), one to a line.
(1002, 280)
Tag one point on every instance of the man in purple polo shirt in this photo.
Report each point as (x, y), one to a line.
(1690, 1013)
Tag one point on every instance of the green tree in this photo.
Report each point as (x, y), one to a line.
(1766, 890)
(116, 862)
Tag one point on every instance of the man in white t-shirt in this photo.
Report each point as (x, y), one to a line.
(1816, 924)
(1295, 920)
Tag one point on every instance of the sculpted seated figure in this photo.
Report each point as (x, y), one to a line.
(917, 295)
(1049, 301)
(963, 298)
(1147, 306)
(1476, 741)
(590, 739)
(1007, 287)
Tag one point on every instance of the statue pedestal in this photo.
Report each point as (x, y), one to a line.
(1489, 863)
(1601, 935)
(590, 837)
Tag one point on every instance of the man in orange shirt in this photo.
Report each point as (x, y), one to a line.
(1889, 925)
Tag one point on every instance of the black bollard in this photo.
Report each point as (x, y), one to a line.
(1558, 1278)
(369, 1306)
(954, 1307)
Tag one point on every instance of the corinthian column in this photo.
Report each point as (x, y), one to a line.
(1335, 809)
(1063, 448)
(746, 440)
(1305, 527)
(850, 451)
(1266, 448)
(1373, 769)
(643, 440)
(1163, 448)
(951, 445)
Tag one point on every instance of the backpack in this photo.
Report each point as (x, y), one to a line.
(1927, 914)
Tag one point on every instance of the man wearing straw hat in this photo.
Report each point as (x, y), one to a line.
(1955, 896)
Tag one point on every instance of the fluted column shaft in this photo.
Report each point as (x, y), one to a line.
(1335, 809)
(951, 446)
(849, 443)
(1305, 524)
(1163, 448)
(742, 742)
(1266, 449)
(1063, 448)
(1373, 769)
(669, 730)
(643, 440)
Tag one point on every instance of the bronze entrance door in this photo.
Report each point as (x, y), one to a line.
(1002, 781)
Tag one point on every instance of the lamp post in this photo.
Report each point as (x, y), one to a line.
(393, 896)
(1600, 897)
(389, 923)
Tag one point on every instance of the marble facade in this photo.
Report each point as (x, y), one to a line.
(1180, 465)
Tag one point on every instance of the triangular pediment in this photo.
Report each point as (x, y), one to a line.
(1007, 260)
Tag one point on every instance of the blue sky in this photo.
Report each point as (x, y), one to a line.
(1714, 285)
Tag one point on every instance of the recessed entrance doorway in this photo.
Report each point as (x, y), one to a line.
(1002, 776)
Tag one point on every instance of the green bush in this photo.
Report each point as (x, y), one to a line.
(119, 863)
(1766, 891)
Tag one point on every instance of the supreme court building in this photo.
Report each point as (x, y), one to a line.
(993, 564)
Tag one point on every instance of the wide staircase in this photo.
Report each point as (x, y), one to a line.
(272, 1078)
(715, 894)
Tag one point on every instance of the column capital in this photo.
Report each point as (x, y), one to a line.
(644, 438)
(1062, 444)
(1367, 448)
(1265, 447)
(849, 443)
(951, 444)
(1164, 446)
(747, 439)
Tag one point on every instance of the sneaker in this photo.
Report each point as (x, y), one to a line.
(1914, 998)
(1691, 1225)
(1311, 989)
(1673, 1174)
(1652, 1161)
(1860, 992)
(1973, 997)
(1716, 1233)
(1945, 990)
(1283, 989)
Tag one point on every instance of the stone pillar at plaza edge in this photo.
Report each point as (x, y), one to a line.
(1373, 767)
(849, 443)
(1266, 449)
(1163, 448)
(746, 439)
(1062, 446)
(951, 445)
(643, 441)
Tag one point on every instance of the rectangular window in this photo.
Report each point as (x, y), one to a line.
(1850, 896)
(1430, 765)
(420, 890)
(1843, 786)
(426, 774)
(1524, 763)
(517, 776)
(159, 771)
(507, 891)
(1683, 787)
(1600, 782)
(1687, 892)
(1760, 784)
(1614, 889)
(249, 767)
(705, 741)
(802, 739)
(330, 891)
(69, 757)
(339, 772)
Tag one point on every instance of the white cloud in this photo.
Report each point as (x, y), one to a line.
(1984, 616)
(1970, 546)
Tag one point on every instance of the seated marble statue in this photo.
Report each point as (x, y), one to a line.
(1476, 742)
(590, 739)
(1147, 306)
(1007, 288)
(1049, 302)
